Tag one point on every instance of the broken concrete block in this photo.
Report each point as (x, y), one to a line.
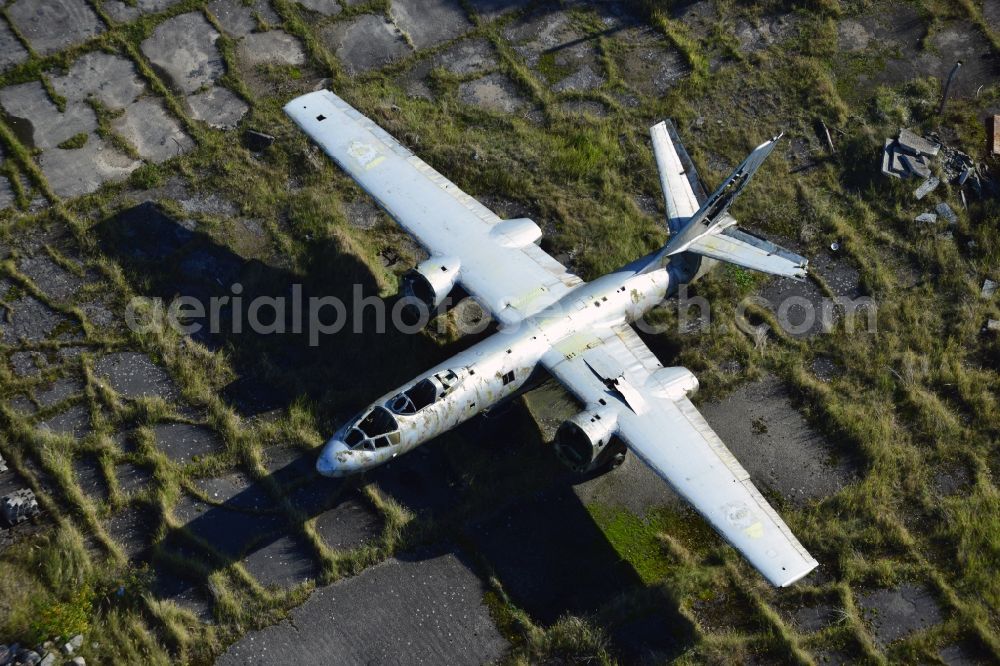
(76, 641)
(3, 468)
(989, 288)
(49, 659)
(18, 506)
(916, 165)
(926, 218)
(887, 157)
(995, 135)
(993, 325)
(926, 187)
(916, 145)
(946, 213)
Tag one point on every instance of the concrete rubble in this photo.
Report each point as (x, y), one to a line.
(993, 325)
(910, 156)
(945, 212)
(989, 288)
(46, 654)
(995, 136)
(19, 506)
(926, 218)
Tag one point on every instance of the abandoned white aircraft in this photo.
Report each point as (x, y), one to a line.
(577, 331)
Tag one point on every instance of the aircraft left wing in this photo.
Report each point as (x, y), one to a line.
(509, 275)
(667, 433)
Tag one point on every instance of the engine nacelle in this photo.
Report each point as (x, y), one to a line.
(674, 383)
(584, 442)
(432, 280)
(517, 232)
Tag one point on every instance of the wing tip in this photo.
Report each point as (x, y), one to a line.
(797, 575)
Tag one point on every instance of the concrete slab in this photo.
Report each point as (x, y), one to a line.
(553, 46)
(467, 57)
(430, 22)
(80, 171)
(231, 533)
(434, 607)
(366, 42)
(284, 562)
(219, 107)
(52, 25)
(55, 281)
(133, 529)
(494, 92)
(134, 375)
(350, 524)
(29, 320)
(274, 47)
(182, 50)
(236, 490)
(73, 421)
(766, 31)
(774, 443)
(651, 67)
(7, 197)
(895, 613)
(90, 478)
(186, 594)
(109, 78)
(12, 52)
(125, 12)
(27, 363)
(584, 107)
(239, 18)
(156, 135)
(38, 122)
(59, 390)
(132, 478)
(184, 443)
(324, 7)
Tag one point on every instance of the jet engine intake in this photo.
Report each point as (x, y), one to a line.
(586, 441)
(432, 280)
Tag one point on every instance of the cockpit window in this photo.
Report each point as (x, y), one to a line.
(377, 429)
(378, 422)
(423, 393)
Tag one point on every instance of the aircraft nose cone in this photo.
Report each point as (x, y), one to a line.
(333, 459)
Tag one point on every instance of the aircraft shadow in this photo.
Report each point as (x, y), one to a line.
(493, 485)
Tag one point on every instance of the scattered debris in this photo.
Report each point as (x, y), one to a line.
(926, 187)
(18, 506)
(989, 288)
(995, 136)
(993, 325)
(946, 213)
(834, 246)
(926, 218)
(3, 468)
(257, 141)
(826, 134)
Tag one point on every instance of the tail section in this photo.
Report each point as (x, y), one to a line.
(704, 226)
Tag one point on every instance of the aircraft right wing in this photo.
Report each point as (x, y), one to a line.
(667, 433)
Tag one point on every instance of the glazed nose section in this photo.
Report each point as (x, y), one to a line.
(335, 459)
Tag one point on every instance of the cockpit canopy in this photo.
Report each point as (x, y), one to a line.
(375, 430)
(425, 392)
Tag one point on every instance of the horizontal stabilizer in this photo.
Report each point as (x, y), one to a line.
(738, 247)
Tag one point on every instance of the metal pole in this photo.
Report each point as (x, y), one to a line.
(947, 86)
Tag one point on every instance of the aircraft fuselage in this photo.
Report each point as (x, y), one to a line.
(490, 371)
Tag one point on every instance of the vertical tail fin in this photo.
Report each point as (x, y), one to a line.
(713, 216)
(703, 226)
